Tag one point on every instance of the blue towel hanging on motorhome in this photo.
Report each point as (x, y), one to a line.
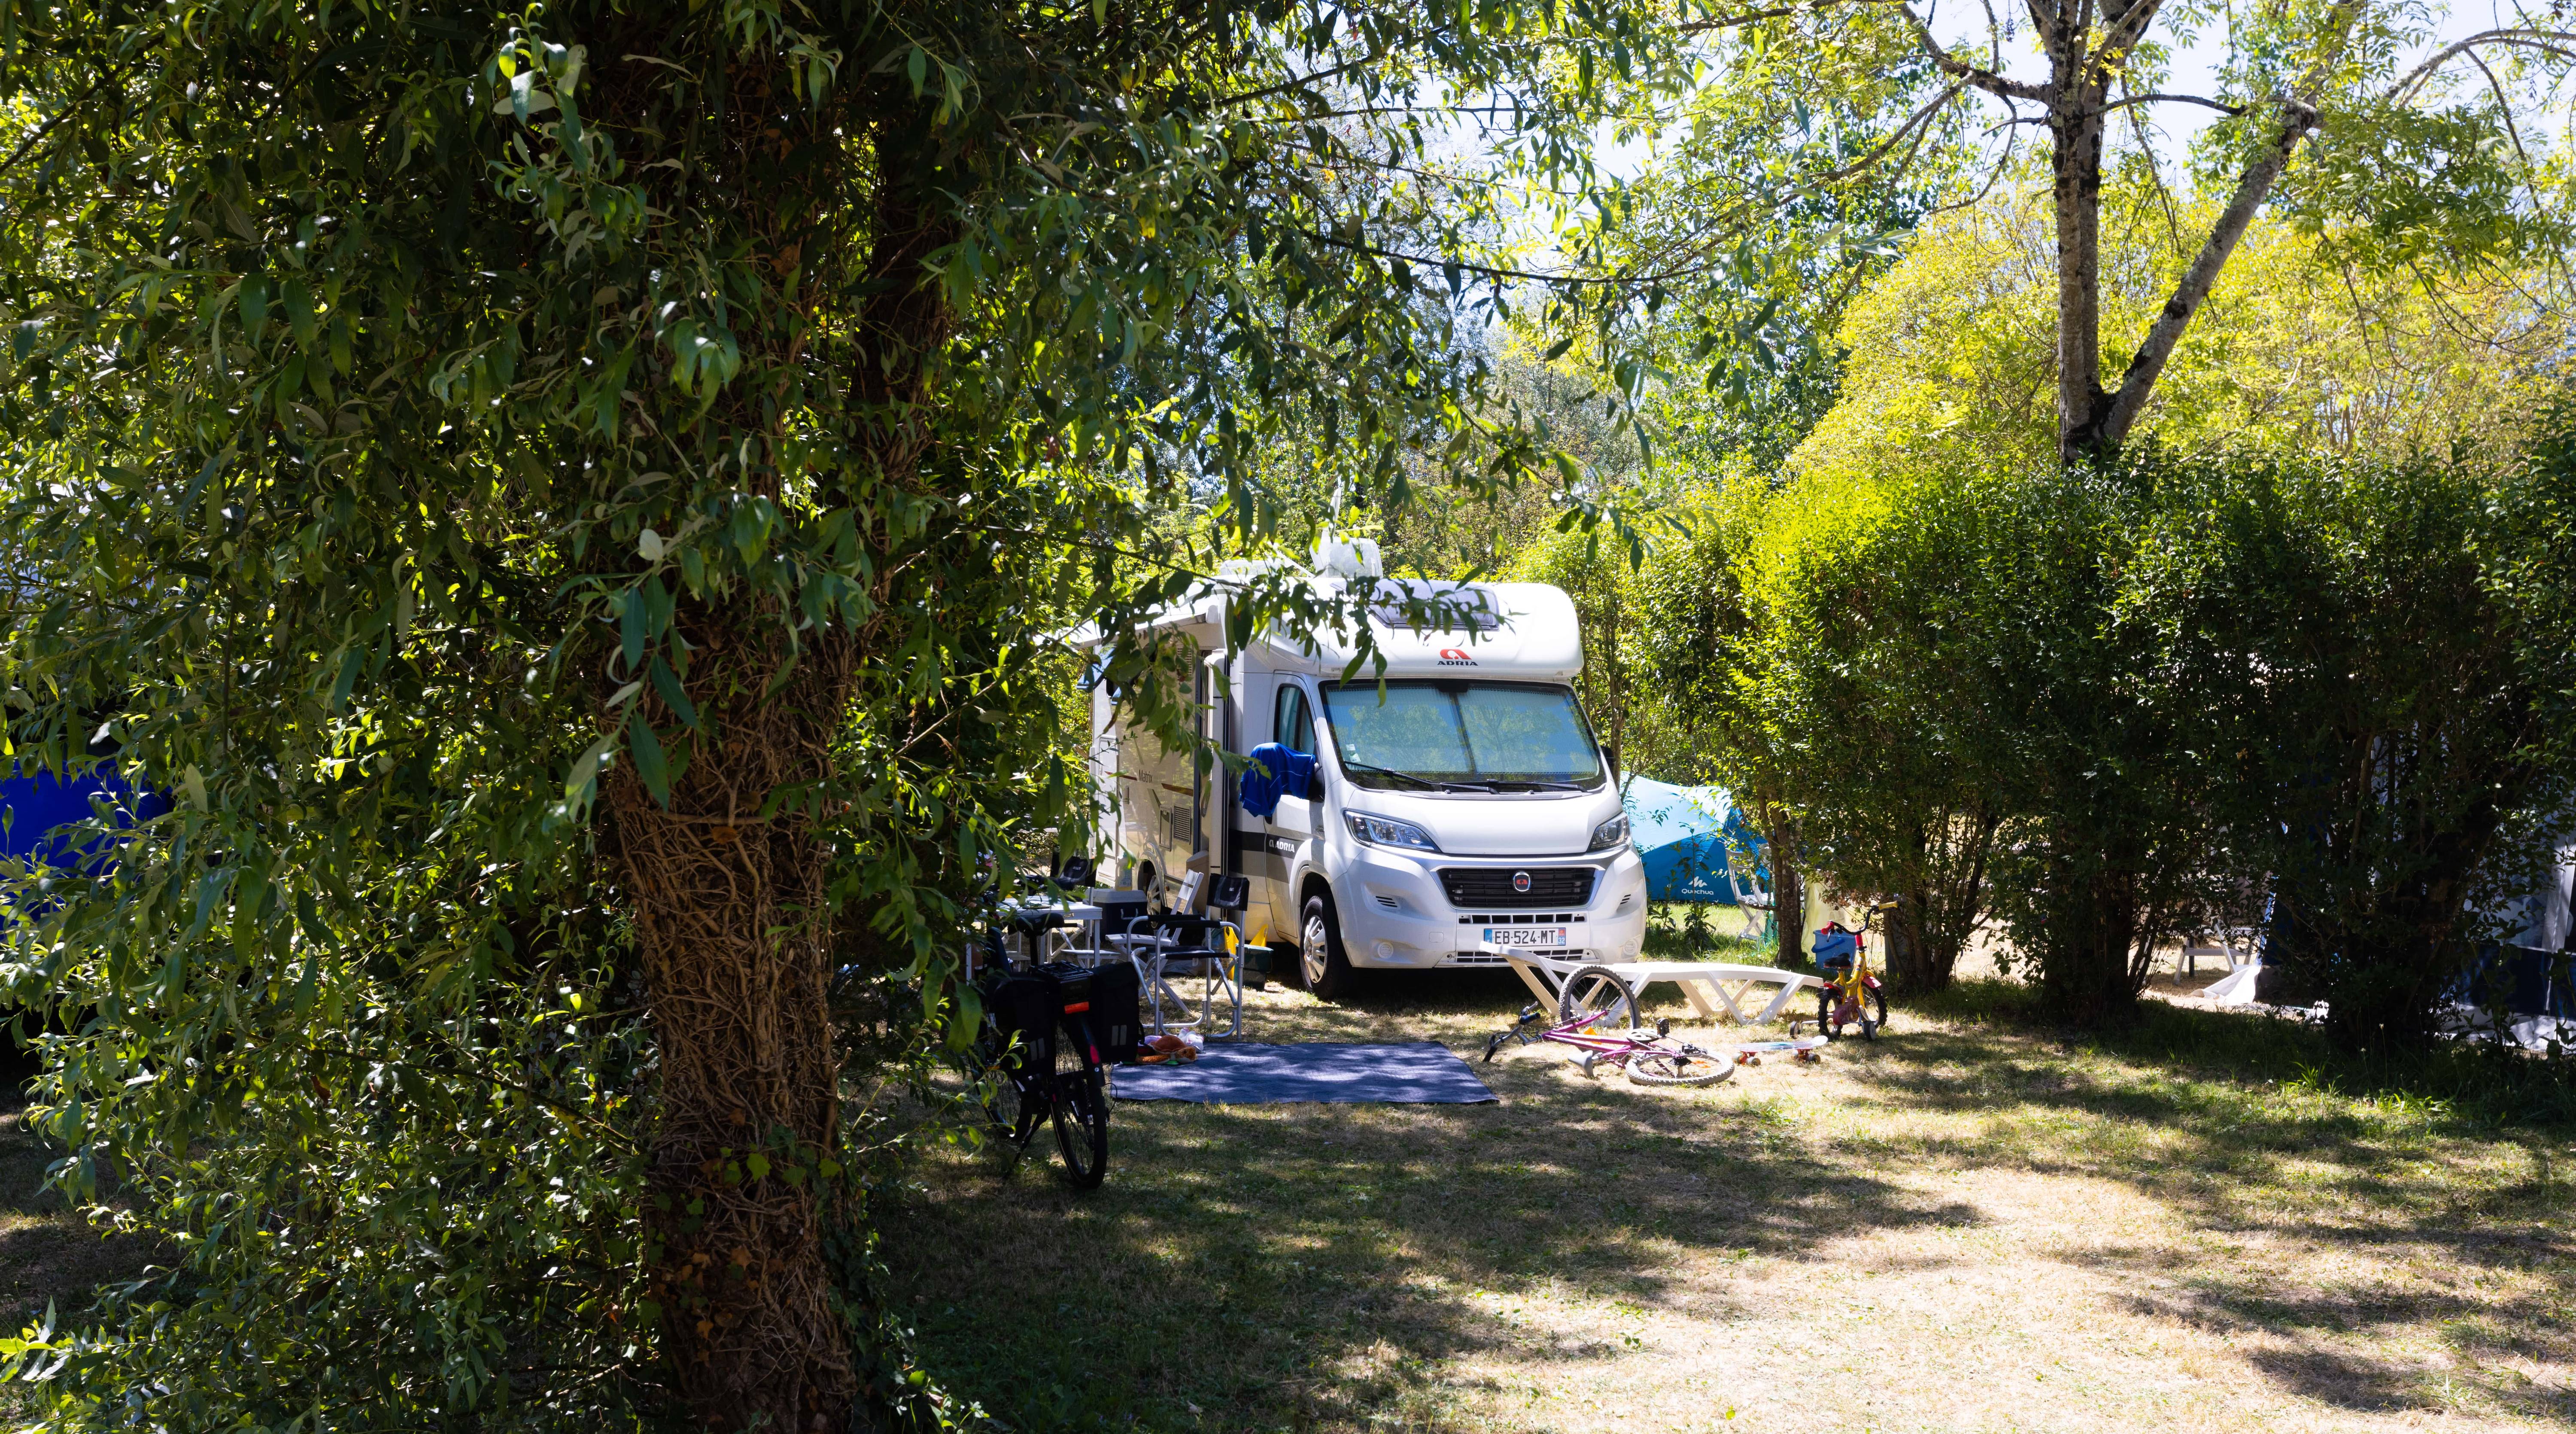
(1274, 773)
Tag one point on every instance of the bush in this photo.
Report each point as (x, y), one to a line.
(2382, 685)
(2116, 705)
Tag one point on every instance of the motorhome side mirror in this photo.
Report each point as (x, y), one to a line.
(1610, 754)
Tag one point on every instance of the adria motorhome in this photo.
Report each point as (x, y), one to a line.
(1460, 800)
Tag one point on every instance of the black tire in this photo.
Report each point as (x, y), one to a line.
(1678, 1068)
(1081, 1111)
(1320, 957)
(1007, 1104)
(1827, 1000)
(1013, 1101)
(1873, 1009)
(1594, 995)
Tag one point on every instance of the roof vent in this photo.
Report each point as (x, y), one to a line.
(1347, 557)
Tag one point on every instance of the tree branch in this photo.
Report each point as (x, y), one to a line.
(1939, 103)
(1957, 68)
(37, 136)
(1296, 82)
(2555, 42)
(2297, 118)
(1752, 17)
(2124, 34)
(2219, 105)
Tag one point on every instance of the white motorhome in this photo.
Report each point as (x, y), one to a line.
(1462, 799)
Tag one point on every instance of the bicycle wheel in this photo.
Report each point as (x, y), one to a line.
(1873, 1013)
(1685, 1068)
(1081, 1111)
(1828, 1002)
(1596, 994)
(1007, 1103)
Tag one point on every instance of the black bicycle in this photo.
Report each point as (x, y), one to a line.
(1038, 1050)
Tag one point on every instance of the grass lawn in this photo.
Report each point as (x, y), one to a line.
(48, 1253)
(1967, 1226)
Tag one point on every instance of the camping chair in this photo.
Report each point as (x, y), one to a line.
(1752, 903)
(2236, 943)
(1181, 946)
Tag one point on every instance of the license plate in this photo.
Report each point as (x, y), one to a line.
(1525, 935)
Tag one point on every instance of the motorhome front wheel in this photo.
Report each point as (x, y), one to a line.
(1320, 958)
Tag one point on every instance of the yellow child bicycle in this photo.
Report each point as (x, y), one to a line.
(1852, 994)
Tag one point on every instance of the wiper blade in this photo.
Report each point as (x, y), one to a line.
(1433, 783)
(1538, 785)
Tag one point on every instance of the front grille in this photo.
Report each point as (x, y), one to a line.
(1492, 886)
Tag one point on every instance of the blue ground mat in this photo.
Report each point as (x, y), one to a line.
(1419, 1073)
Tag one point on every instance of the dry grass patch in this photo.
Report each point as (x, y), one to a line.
(1966, 1226)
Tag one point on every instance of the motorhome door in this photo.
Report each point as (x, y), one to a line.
(1292, 824)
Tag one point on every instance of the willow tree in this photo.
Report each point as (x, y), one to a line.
(563, 501)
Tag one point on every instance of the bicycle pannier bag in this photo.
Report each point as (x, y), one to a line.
(1025, 1005)
(1116, 1014)
(1072, 994)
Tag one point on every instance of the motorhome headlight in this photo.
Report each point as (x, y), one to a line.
(1383, 831)
(1610, 833)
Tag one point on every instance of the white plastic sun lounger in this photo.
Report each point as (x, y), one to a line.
(1716, 991)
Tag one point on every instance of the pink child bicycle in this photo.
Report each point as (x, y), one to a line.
(1596, 1014)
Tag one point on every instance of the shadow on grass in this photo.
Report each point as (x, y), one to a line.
(1258, 1267)
(2474, 1089)
(1274, 1267)
(2258, 1124)
(48, 1253)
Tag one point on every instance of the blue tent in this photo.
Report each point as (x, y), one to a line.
(1687, 836)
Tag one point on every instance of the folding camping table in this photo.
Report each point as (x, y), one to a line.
(1716, 990)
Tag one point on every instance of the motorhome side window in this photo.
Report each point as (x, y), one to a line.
(1295, 730)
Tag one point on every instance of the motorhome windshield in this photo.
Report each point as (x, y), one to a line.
(1461, 736)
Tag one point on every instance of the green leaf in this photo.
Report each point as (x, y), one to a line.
(630, 628)
(253, 301)
(585, 768)
(667, 683)
(649, 766)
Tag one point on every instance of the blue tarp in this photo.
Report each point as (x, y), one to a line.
(1686, 836)
(37, 803)
(1421, 1073)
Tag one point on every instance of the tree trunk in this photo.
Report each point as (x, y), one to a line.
(2086, 971)
(730, 914)
(2076, 162)
(1908, 958)
(1788, 896)
(731, 907)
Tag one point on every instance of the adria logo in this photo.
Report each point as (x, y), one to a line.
(1455, 657)
(1520, 881)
